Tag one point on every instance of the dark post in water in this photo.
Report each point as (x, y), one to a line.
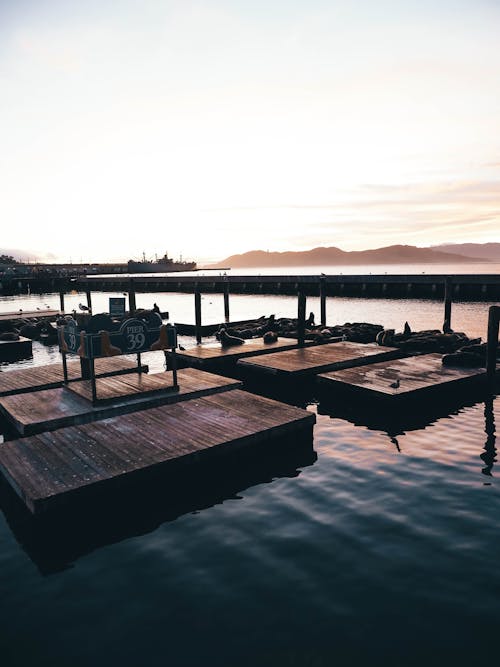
(447, 303)
(131, 297)
(89, 300)
(493, 322)
(322, 299)
(61, 301)
(197, 312)
(226, 300)
(301, 319)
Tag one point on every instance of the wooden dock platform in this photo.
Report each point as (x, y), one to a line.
(16, 349)
(213, 355)
(49, 409)
(38, 378)
(29, 314)
(48, 469)
(318, 358)
(408, 378)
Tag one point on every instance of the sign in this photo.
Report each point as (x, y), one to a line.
(69, 337)
(133, 337)
(116, 306)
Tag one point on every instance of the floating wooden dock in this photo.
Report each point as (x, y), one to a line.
(38, 378)
(16, 349)
(49, 409)
(213, 355)
(48, 469)
(408, 378)
(318, 358)
(29, 314)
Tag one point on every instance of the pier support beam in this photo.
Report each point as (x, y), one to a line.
(197, 312)
(447, 302)
(493, 325)
(226, 301)
(61, 301)
(131, 297)
(301, 317)
(322, 301)
(89, 300)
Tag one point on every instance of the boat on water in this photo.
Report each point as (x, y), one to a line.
(159, 265)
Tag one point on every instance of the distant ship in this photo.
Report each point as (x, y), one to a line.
(159, 265)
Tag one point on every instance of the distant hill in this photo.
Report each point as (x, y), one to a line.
(396, 254)
(488, 251)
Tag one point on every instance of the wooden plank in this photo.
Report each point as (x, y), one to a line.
(38, 378)
(316, 359)
(414, 375)
(48, 469)
(48, 409)
(28, 314)
(212, 354)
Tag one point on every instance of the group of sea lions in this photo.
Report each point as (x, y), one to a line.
(456, 347)
(33, 328)
(270, 328)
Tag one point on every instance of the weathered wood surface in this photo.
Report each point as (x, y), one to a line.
(39, 314)
(16, 349)
(319, 358)
(48, 468)
(416, 376)
(49, 409)
(37, 378)
(213, 353)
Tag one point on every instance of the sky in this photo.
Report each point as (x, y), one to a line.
(206, 129)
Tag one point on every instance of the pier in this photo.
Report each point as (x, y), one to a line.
(49, 409)
(307, 361)
(50, 468)
(395, 381)
(51, 376)
(478, 287)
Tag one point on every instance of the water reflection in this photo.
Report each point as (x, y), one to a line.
(489, 454)
(56, 540)
(396, 420)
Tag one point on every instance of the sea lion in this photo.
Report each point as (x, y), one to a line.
(270, 337)
(463, 360)
(310, 320)
(226, 340)
(9, 336)
(407, 330)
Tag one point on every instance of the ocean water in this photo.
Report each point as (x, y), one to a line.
(375, 544)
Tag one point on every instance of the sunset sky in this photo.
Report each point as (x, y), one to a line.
(210, 128)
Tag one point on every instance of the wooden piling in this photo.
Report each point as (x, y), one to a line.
(493, 325)
(89, 300)
(197, 312)
(301, 319)
(226, 301)
(447, 299)
(61, 301)
(131, 297)
(322, 299)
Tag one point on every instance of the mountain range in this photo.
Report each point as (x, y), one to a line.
(396, 254)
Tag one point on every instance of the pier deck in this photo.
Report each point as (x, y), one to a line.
(28, 314)
(316, 359)
(210, 355)
(418, 376)
(48, 469)
(37, 378)
(49, 409)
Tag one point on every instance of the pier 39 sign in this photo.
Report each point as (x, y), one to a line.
(132, 337)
